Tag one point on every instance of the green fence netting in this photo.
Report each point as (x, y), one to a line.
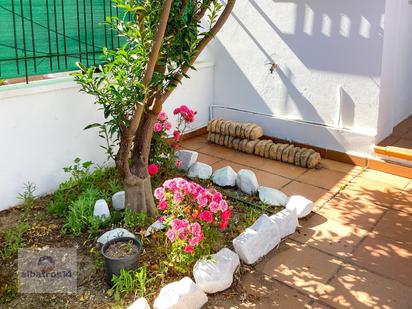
(46, 36)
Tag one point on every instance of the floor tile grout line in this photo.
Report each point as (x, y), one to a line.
(312, 297)
(348, 261)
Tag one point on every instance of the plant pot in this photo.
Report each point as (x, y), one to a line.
(112, 265)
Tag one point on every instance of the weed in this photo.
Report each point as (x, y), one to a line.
(80, 216)
(13, 240)
(27, 197)
(135, 219)
(105, 180)
(8, 288)
(78, 170)
(129, 281)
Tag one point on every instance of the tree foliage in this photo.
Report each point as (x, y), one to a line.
(162, 41)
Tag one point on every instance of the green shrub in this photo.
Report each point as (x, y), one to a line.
(13, 240)
(135, 219)
(82, 178)
(80, 216)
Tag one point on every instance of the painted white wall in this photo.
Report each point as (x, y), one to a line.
(396, 91)
(328, 54)
(41, 129)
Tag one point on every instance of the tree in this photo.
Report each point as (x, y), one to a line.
(162, 41)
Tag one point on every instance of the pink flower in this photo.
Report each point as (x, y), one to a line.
(182, 233)
(226, 214)
(176, 111)
(214, 207)
(206, 216)
(189, 249)
(170, 184)
(195, 240)
(162, 116)
(153, 169)
(178, 163)
(202, 197)
(176, 135)
(223, 205)
(171, 235)
(178, 197)
(158, 127)
(163, 205)
(167, 125)
(217, 197)
(159, 193)
(223, 225)
(195, 229)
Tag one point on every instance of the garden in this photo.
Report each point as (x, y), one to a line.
(199, 219)
(153, 217)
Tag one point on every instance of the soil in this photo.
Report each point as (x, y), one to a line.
(120, 250)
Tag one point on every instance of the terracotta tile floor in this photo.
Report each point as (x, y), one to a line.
(354, 251)
(401, 136)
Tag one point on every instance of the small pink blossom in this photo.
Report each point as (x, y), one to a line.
(167, 125)
(206, 216)
(189, 249)
(178, 163)
(153, 169)
(214, 207)
(158, 127)
(171, 235)
(223, 205)
(159, 193)
(163, 205)
(176, 135)
(162, 116)
(217, 197)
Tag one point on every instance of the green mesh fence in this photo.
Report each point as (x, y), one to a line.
(46, 36)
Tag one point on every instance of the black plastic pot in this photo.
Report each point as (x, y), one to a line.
(112, 266)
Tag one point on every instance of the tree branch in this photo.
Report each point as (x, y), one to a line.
(205, 40)
(127, 137)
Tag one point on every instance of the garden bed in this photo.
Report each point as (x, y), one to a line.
(47, 221)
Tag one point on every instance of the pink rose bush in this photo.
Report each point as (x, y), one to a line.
(190, 211)
(162, 148)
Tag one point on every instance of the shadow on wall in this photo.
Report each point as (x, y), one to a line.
(331, 36)
(348, 32)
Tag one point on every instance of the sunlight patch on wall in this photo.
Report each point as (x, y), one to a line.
(345, 25)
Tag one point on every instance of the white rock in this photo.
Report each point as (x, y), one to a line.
(154, 227)
(118, 200)
(272, 196)
(140, 303)
(183, 294)
(216, 274)
(302, 205)
(187, 157)
(225, 176)
(200, 170)
(101, 210)
(247, 182)
(287, 221)
(115, 233)
(257, 240)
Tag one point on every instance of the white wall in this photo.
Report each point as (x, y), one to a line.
(329, 57)
(396, 92)
(41, 129)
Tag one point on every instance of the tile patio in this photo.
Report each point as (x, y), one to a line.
(353, 251)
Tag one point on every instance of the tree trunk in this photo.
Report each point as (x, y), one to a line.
(139, 195)
(138, 187)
